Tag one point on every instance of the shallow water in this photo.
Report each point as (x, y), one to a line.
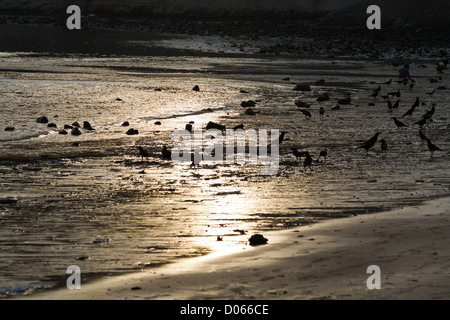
(150, 211)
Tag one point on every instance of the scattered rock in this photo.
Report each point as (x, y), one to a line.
(132, 132)
(136, 288)
(323, 97)
(158, 123)
(75, 144)
(8, 200)
(10, 129)
(83, 258)
(51, 125)
(76, 132)
(286, 79)
(301, 104)
(250, 112)
(66, 126)
(31, 168)
(249, 103)
(76, 124)
(336, 107)
(320, 82)
(196, 88)
(302, 87)
(118, 99)
(213, 125)
(239, 126)
(63, 132)
(125, 124)
(188, 127)
(257, 239)
(243, 91)
(42, 120)
(87, 125)
(101, 240)
(371, 104)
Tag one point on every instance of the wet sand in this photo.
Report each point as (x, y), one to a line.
(327, 260)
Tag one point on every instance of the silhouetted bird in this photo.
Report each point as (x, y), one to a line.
(399, 124)
(323, 154)
(388, 82)
(432, 147)
(306, 113)
(430, 113)
(395, 94)
(395, 105)
(281, 137)
(369, 143)
(166, 153)
(308, 160)
(410, 111)
(143, 152)
(389, 104)
(298, 154)
(375, 92)
(321, 112)
(416, 102)
(422, 136)
(421, 122)
(383, 146)
(431, 93)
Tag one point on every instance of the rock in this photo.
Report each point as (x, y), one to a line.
(136, 288)
(323, 97)
(301, 104)
(320, 82)
(87, 125)
(189, 127)
(62, 132)
(118, 99)
(302, 87)
(101, 240)
(286, 79)
(371, 104)
(132, 132)
(250, 112)
(76, 124)
(10, 129)
(51, 125)
(158, 123)
(336, 107)
(249, 103)
(196, 88)
(75, 144)
(257, 239)
(239, 126)
(125, 124)
(42, 120)
(8, 200)
(213, 125)
(66, 126)
(76, 132)
(243, 91)
(31, 168)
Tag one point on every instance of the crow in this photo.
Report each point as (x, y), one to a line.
(421, 122)
(410, 111)
(298, 154)
(388, 82)
(432, 147)
(321, 112)
(323, 154)
(308, 160)
(143, 152)
(306, 113)
(166, 153)
(422, 136)
(395, 94)
(383, 146)
(431, 93)
(399, 124)
(369, 143)
(417, 102)
(395, 105)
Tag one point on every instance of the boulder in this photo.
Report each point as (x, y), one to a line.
(132, 132)
(76, 132)
(87, 125)
(42, 120)
(10, 129)
(196, 88)
(302, 87)
(301, 104)
(257, 239)
(213, 125)
(323, 97)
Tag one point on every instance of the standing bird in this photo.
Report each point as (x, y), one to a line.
(398, 123)
(298, 154)
(321, 112)
(281, 137)
(422, 136)
(395, 105)
(432, 147)
(323, 154)
(306, 113)
(142, 152)
(308, 160)
(166, 153)
(421, 122)
(431, 93)
(369, 143)
(383, 147)
(388, 82)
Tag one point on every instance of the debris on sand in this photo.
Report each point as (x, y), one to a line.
(257, 239)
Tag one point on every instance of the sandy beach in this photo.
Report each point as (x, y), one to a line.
(327, 260)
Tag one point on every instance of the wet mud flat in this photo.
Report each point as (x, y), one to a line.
(103, 207)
